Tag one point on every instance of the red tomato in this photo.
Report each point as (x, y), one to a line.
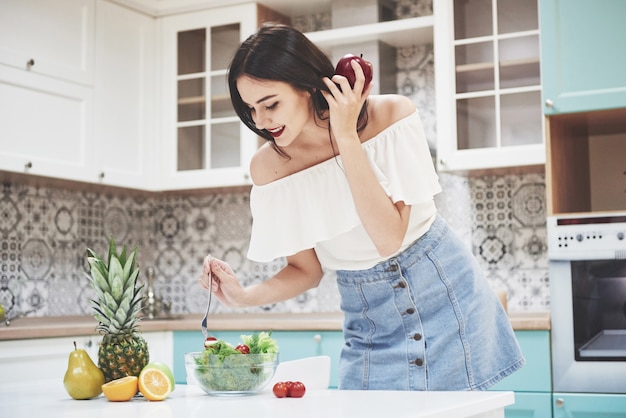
(280, 390)
(209, 341)
(296, 390)
(243, 349)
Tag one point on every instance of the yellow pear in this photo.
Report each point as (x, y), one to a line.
(83, 379)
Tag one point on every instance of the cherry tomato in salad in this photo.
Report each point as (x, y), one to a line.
(280, 390)
(296, 390)
(243, 349)
(209, 341)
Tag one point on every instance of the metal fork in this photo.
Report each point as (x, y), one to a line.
(208, 306)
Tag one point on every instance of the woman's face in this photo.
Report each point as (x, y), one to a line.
(277, 107)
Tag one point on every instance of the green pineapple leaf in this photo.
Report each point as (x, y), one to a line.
(122, 256)
(110, 304)
(128, 295)
(112, 250)
(135, 306)
(98, 290)
(99, 273)
(129, 266)
(117, 281)
(121, 316)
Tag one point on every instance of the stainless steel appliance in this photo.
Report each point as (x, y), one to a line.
(587, 268)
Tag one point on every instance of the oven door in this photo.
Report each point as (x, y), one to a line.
(588, 304)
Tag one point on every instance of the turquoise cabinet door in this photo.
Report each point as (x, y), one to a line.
(577, 405)
(532, 384)
(292, 345)
(530, 405)
(535, 376)
(583, 60)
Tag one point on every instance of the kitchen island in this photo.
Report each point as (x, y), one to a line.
(48, 399)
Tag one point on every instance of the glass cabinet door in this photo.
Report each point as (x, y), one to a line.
(498, 87)
(208, 134)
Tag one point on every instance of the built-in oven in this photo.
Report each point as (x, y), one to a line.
(587, 266)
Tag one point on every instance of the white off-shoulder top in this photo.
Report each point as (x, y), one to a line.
(313, 208)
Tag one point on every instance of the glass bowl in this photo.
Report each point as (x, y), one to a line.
(234, 375)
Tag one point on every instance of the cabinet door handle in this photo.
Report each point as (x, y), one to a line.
(28, 165)
(560, 402)
(30, 63)
(549, 103)
(317, 338)
(101, 175)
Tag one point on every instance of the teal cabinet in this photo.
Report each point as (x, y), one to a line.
(292, 344)
(530, 405)
(585, 405)
(533, 383)
(582, 55)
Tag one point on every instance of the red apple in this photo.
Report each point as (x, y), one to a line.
(345, 69)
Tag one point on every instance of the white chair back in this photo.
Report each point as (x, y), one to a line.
(314, 372)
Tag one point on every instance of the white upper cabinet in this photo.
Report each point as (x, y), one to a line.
(46, 93)
(204, 143)
(488, 85)
(49, 37)
(126, 143)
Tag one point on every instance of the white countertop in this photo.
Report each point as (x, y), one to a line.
(49, 399)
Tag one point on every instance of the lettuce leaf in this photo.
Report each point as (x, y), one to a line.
(260, 343)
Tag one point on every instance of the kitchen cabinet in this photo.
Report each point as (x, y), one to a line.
(95, 122)
(292, 345)
(39, 359)
(46, 87)
(581, 405)
(488, 84)
(45, 125)
(204, 144)
(125, 136)
(51, 38)
(582, 55)
(43, 358)
(584, 97)
(532, 384)
(585, 169)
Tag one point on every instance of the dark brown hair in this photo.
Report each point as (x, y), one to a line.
(279, 52)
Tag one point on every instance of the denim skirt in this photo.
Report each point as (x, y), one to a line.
(425, 319)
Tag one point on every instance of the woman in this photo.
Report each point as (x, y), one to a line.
(345, 182)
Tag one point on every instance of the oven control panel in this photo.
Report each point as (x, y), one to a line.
(587, 237)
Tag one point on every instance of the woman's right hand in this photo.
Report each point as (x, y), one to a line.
(224, 283)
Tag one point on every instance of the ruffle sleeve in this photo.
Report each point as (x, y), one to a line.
(314, 205)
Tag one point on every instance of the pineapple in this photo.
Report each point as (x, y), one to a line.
(123, 351)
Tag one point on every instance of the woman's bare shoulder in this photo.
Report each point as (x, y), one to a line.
(385, 110)
(266, 165)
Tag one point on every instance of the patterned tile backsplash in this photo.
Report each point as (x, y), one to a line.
(45, 230)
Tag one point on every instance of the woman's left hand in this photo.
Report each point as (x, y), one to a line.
(345, 102)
